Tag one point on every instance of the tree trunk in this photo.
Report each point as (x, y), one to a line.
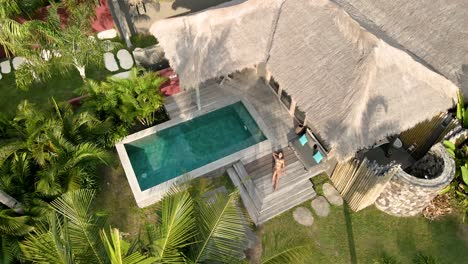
(11, 202)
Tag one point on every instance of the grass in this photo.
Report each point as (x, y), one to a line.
(62, 88)
(370, 236)
(143, 41)
(343, 237)
(115, 198)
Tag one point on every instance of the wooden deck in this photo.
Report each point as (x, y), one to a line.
(253, 176)
(245, 85)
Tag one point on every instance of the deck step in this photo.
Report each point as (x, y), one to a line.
(285, 205)
(263, 206)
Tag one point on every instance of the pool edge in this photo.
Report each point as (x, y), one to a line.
(156, 193)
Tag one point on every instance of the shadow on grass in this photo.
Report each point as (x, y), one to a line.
(350, 235)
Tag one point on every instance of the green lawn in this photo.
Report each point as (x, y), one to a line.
(363, 237)
(60, 87)
(342, 237)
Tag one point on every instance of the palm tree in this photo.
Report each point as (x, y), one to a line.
(191, 229)
(75, 235)
(194, 229)
(47, 152)
(49, 46)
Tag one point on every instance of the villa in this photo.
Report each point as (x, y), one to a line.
(255, 72)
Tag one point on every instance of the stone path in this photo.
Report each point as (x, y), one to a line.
(110, 63)
(303, 216)
(125, 59)
(17, 61)
(332, 194)
(5, 66)
(321, 206)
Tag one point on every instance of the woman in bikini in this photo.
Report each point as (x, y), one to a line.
(279, 165)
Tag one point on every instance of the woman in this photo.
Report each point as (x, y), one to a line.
(279, 165)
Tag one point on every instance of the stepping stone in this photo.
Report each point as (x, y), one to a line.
(110, 63)
(321, 206)
(107, 34)
(303, 216)
(332, 195)
(125, 59)
(122, 75)
(5, 66)
(17, 61)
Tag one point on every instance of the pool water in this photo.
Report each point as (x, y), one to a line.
(192, 144)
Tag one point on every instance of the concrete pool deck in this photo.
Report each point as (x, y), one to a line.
(270, 116)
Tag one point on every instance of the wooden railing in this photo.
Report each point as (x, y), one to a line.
(361, 182)
(419, 139)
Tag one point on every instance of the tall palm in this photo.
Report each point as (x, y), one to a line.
(195, 230)
(75, 235)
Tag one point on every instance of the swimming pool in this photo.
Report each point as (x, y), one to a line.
(184, 147)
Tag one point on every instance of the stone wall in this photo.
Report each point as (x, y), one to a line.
(406, 195)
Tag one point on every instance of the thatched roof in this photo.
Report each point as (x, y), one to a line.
(435, 31)
(355, 88)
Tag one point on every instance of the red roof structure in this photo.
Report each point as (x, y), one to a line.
(103, 20)
(172, 85)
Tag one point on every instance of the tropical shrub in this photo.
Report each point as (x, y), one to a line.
(143, 41)
(126, 101)
(43, 154)
(458, 188)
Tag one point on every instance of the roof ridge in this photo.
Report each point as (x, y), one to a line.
(272, 35)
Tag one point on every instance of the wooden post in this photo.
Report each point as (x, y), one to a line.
(292, 108)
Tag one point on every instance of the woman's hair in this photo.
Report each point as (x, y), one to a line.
(280, 152)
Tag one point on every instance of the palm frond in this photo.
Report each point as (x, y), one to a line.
(8, 149)
(83, 227)
(175, 227)
(9, 249)
(222, 229)
(280, 249)
(117, 250)
(49, 244)
(13, 224)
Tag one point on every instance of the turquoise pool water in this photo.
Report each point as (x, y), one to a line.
(187, 146)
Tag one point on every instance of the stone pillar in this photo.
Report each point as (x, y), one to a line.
(407, 195)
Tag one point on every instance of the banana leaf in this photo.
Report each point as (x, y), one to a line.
(449, 145)
(464, 173)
